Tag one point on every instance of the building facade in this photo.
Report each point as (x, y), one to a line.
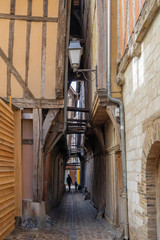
(35, 78)
(134, 66)
(32, 62)
(139, 67)
(103, 163)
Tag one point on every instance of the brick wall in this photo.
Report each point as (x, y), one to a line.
(128, 13)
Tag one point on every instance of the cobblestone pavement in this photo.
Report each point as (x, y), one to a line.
(73, 220)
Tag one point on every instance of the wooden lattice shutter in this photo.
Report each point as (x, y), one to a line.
(7, 178)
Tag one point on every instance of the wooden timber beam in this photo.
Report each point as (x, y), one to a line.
(50, 139)
(60, 48)
(28, 36)
(76, 124)
(75, 151)
(75, 132)
(37, 103)
(77, 165)
(15, 73)
(37, 155)
(76, 109)
(43, 53)
(57, 127)
(76, 120)
(10, 46)
(48, 122)
(28, 18)
(101, 43)
(18, 162)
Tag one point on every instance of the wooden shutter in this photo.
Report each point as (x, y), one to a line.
(7, 179)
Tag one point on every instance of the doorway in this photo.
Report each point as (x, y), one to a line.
(153, 191)
(158, 197)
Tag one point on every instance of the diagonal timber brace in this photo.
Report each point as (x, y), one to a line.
(52, 113)
(16, 74)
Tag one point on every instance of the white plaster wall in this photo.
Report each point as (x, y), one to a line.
(141, 99)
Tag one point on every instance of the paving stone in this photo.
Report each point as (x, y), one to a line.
(74, 219)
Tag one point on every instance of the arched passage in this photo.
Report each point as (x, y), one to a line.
(150, 181)
(152, 190)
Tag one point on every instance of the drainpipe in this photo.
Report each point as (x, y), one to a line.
(65, 75)
(66, 65)
(122, 129)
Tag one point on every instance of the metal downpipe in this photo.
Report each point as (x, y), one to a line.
(122, 129)
(66, 64)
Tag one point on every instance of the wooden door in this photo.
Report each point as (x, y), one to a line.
(158, 200)
(119, 187)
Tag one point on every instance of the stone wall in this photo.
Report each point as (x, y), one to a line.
(95, 174)
(141, 93)
(103, 174)
(113, 193)
(89, 172)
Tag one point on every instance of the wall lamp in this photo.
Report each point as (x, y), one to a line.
(75, 52)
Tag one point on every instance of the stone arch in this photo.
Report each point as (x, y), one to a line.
(147, 187)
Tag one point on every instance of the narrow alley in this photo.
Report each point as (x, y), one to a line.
(74, 219)
(80, 108)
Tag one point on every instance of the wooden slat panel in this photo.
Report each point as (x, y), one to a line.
(2, 131)
(6, 164)
(5, 106)
(6, 119)
(7, 209)
(3, 120)
(7, 175)
(6, 138)
(6, 191)
(6, 127)
(7, 154)
(6, 169)
(6, 222)
(7, 160)
(5, 180)
(6, 204)
(8, 196)
(5, 229)
(5, 186)
(2, 141)
(6, 148)
(6, 113)
(10, 214)
(7, 232)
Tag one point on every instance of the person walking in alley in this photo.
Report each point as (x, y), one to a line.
(76, 185)
(69, 181)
